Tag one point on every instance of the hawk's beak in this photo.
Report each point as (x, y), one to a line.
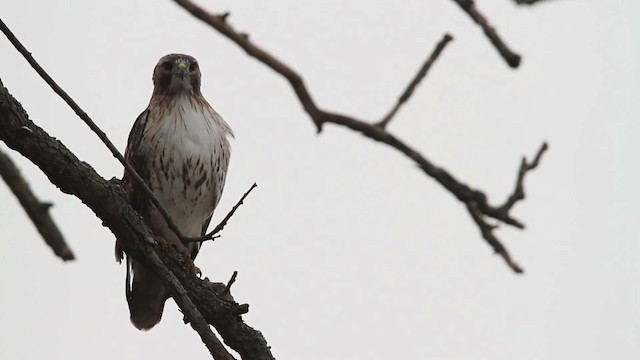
(181, 67)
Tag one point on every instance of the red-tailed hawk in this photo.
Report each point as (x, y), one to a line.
(179, 146)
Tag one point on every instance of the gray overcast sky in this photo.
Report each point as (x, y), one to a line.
(346, 250)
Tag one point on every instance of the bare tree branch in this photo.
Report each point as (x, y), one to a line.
(518, 194)
(416, 80)
(227, 288)
(38, 211)
(212, 235)
(202, 301)
(525, 167)
(487, 233)
(197, 298)
(507, 54)
(469, 196)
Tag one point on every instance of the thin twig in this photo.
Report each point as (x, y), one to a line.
(212, 235)
(487, 233)
(227, 288)
(507, 54)
(525, 167)
(469, 196)
(37, 210)
(87, 120)
(417, 79)
(518, 194)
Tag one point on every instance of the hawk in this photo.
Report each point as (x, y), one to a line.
(179, 146)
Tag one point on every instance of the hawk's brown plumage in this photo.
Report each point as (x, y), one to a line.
(179, 147)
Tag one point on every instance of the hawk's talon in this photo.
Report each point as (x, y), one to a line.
(187, 255)
(162, 241)
(194, 269)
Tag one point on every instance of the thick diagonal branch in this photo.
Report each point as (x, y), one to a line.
(196, 297)
(38, 211)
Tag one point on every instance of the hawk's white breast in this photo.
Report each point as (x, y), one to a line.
(188, 153)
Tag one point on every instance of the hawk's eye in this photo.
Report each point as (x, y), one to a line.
(167, 65)
(193, 67)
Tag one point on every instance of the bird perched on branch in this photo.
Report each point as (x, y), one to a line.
(179, 146)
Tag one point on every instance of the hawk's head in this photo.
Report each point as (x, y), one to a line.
(176, 73)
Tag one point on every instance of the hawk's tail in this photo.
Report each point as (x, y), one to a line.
(146, 296)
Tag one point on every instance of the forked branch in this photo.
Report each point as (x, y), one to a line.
(474, 199)
(518, 194)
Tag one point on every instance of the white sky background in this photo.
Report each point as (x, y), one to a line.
(346, 250)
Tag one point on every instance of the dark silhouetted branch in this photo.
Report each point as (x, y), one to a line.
(487, 233)
(473, 198)
(509, 56)
(525, 167)
(212, 235)
(197, 298)
(37, 211)
(416, 80)
(227, 288)
(518, 194)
